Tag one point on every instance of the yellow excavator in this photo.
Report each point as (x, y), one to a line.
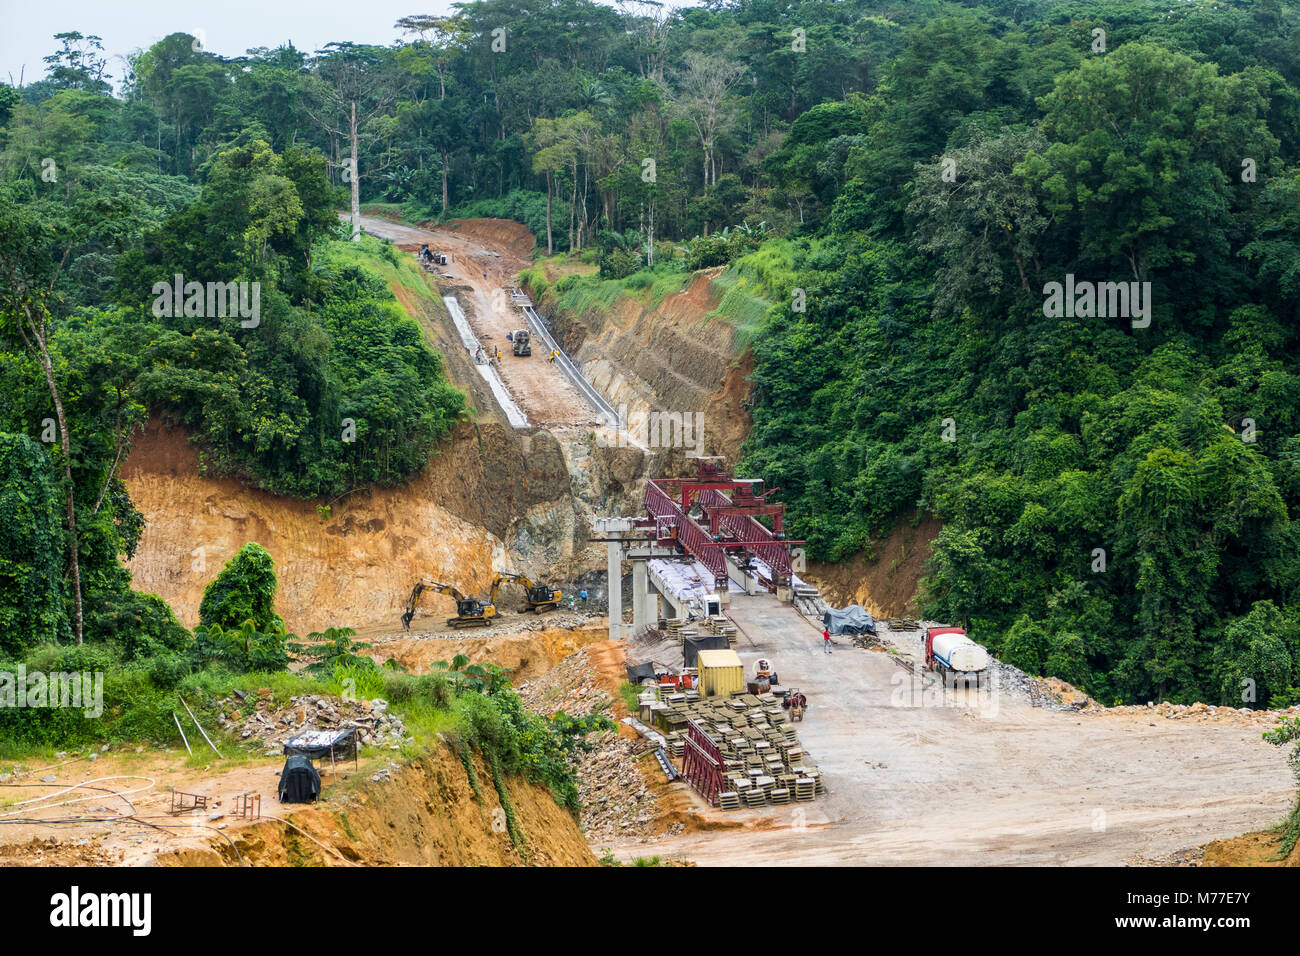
(469, 610)
(537, 597)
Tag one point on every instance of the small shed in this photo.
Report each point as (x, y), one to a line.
(721, 673)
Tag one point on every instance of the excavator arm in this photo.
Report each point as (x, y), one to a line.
(424, 584)
(501, 578)
(537, 597)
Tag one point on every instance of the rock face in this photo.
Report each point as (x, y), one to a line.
(670, 356)
(354, 565)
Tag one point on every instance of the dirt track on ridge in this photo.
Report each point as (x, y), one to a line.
(483, 262)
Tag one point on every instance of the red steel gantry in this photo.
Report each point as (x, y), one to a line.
(729, 509)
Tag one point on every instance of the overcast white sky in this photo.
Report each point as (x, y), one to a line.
(229, 26)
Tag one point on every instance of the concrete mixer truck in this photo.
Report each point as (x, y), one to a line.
(954, 656)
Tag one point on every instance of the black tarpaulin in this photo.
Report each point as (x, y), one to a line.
(299, 781)
(691, 647)
(636, 673)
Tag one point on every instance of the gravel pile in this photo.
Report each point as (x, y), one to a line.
(506, 625)
(1207, 713)
(569, 686)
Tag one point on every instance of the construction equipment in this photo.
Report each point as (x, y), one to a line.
(468, 610)
(521, 342)
(688, 680)
(794, 704)
(954, 655)
(763, 669)
(537, 597)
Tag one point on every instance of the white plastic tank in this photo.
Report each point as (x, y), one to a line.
(960, 653)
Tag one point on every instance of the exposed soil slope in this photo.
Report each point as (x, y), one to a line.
(1251, 849)
(355, 567)
(421, 811)
(527, 655)
(426, 814)
(888, 585)
(669, 357)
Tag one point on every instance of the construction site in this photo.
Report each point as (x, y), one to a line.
(765, 710)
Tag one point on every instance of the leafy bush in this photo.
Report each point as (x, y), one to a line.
(619, 263)
(243, 591)
(363, 681)
(31, 548)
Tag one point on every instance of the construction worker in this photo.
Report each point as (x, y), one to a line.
(498, 355)
(826, 639)
(551, 358)
(478, 355)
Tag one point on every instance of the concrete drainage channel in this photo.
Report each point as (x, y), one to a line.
(588, 390)
(514, 415)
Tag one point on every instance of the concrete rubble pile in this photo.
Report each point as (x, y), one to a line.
(1048, 694)
(617, 805)
(569, 686)
(255, 718)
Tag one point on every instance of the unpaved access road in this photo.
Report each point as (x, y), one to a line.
(480, 270)
(924, 780)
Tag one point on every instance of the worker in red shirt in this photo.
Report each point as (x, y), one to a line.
(826, 639)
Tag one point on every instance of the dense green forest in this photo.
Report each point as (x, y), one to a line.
(902, 181)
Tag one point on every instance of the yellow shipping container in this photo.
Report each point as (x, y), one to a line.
(721, 673)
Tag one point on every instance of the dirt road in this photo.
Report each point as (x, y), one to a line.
(480, 270)
(918, 779)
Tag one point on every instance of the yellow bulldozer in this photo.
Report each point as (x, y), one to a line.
(469, 611)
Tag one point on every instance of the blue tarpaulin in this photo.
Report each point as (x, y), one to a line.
(850, 620)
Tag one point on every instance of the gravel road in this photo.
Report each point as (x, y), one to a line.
(919, 777)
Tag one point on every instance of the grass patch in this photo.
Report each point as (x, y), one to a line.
(607, 858)
(745, 311)
(397, 268)
(578, 294)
